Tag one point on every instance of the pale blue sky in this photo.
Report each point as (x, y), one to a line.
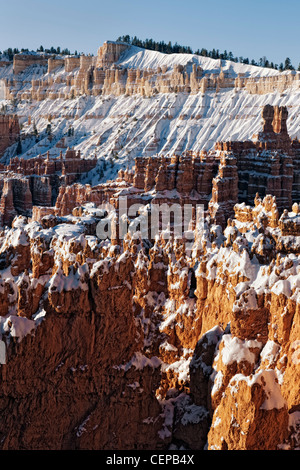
(250, 29)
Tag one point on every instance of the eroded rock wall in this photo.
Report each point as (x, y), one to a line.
(103, 75)
(9, 131)
(150, 344)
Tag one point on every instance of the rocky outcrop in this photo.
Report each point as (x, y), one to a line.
(122, 377)
(36, 182)
(9, 131)
(7, 207)
(70, 165)
(103, 74)
(231, 173)
(109, 53)
(224, 190)
(23, 60)
(264, 85)
(150, 344)
(249, 402)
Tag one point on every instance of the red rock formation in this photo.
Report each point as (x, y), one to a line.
(213, 332)
(234, 426)
(35, 181)
(7, 208)
(225, 190)
(22, 61)
(151, 343)
(71, 163)
(110, 53)
(9, 131)
(191, 178)
(102, 75)
(70, 197)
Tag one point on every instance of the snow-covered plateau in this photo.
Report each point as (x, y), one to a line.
(119, 126)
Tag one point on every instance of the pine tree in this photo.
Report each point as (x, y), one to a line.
(168, 48)
(48, 129)
(35, 131)
(288, 64)
(19, 147)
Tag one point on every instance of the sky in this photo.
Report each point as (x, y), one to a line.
(250, 29)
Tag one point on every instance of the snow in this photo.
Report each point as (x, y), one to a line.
(213, 335)
(168, 415)
(17, 327)
(74, 280)
(102, 266)
(251, 278)
(166, 346)
(237, 350)
(134, 126)
(274, 399)
(270, 352)
(17, 237)
(268, 380)
(39, 316)
(282, 287)
(247, 300)
(210, 338)
(139, 361)
(136, 57)
(294, 425)
(151, 298)
(225, 259)
(81, 428)
(180, 367)
(134, 386)
(131, 124)
(67, 231)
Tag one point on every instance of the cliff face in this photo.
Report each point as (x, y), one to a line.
(143, 103)
(36, 182)
(147, 345)
(105, 74)
(9, 131)
(233, 172)
(81, 321)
